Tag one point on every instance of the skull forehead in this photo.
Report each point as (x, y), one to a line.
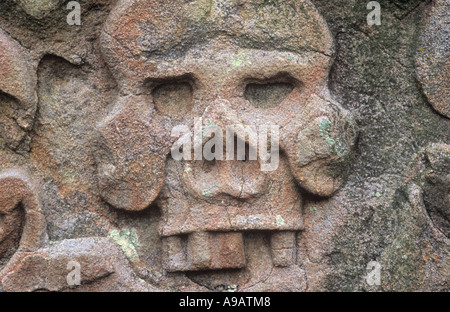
(142, 33)
(231, 63)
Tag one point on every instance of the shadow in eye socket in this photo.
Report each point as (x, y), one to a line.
(267, 95)
(173, 99)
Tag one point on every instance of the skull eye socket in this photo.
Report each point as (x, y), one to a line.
(174, 99)
(267, 95)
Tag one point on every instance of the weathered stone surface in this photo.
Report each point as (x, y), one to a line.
(432, 176)
(433, 59)
(91, 117)
(38, 8)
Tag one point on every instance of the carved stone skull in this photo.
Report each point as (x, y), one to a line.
(250, 63)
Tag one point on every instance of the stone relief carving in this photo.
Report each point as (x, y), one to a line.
(92, 179)
(22, 224)
(17, 93)
(207, 205)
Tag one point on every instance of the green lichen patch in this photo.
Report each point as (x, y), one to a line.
(208, 192)
(280, 221)
(127, 240)
(207, 127)
(325, 126)
(335, 145)
(239, 60)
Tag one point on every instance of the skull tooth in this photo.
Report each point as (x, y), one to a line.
(175, 254)
(283, 246)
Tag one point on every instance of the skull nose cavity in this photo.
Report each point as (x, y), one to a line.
(238, 177)
(225, 163)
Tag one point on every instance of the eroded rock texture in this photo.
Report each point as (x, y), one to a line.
(343, 126)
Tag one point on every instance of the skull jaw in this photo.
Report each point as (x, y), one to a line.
(220, 245)
(208, 233)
